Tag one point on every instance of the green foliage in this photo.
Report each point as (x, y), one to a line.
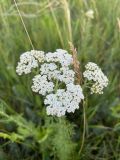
(63, 146)
(24, 128)
(26, 132)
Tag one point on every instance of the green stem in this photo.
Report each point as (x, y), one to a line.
(84, 128)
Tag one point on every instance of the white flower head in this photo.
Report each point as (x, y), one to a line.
(91, 66)
(95, 74)
(61, 56)
(28, 61)
(64, 100)
(50, 69)
(67, 75)
(39, 55)
(42, 85)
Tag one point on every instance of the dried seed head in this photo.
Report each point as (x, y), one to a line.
(76, 64)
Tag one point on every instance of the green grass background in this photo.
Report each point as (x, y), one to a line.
(28, 133)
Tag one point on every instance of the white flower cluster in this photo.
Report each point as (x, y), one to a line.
(39, 55)
(64, 100)
(41, 85)
(55, 71)
(60, 56)
(51, 70)
(95, 74)
(67, 75)
(54, 68)
(63, 74)
(29, 60)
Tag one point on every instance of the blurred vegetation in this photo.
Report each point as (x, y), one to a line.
(26, 132)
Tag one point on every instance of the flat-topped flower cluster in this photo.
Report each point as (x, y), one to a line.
(64, 100)
(56, 79)
(94, 73)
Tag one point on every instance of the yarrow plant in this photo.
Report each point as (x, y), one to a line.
(56, 79)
